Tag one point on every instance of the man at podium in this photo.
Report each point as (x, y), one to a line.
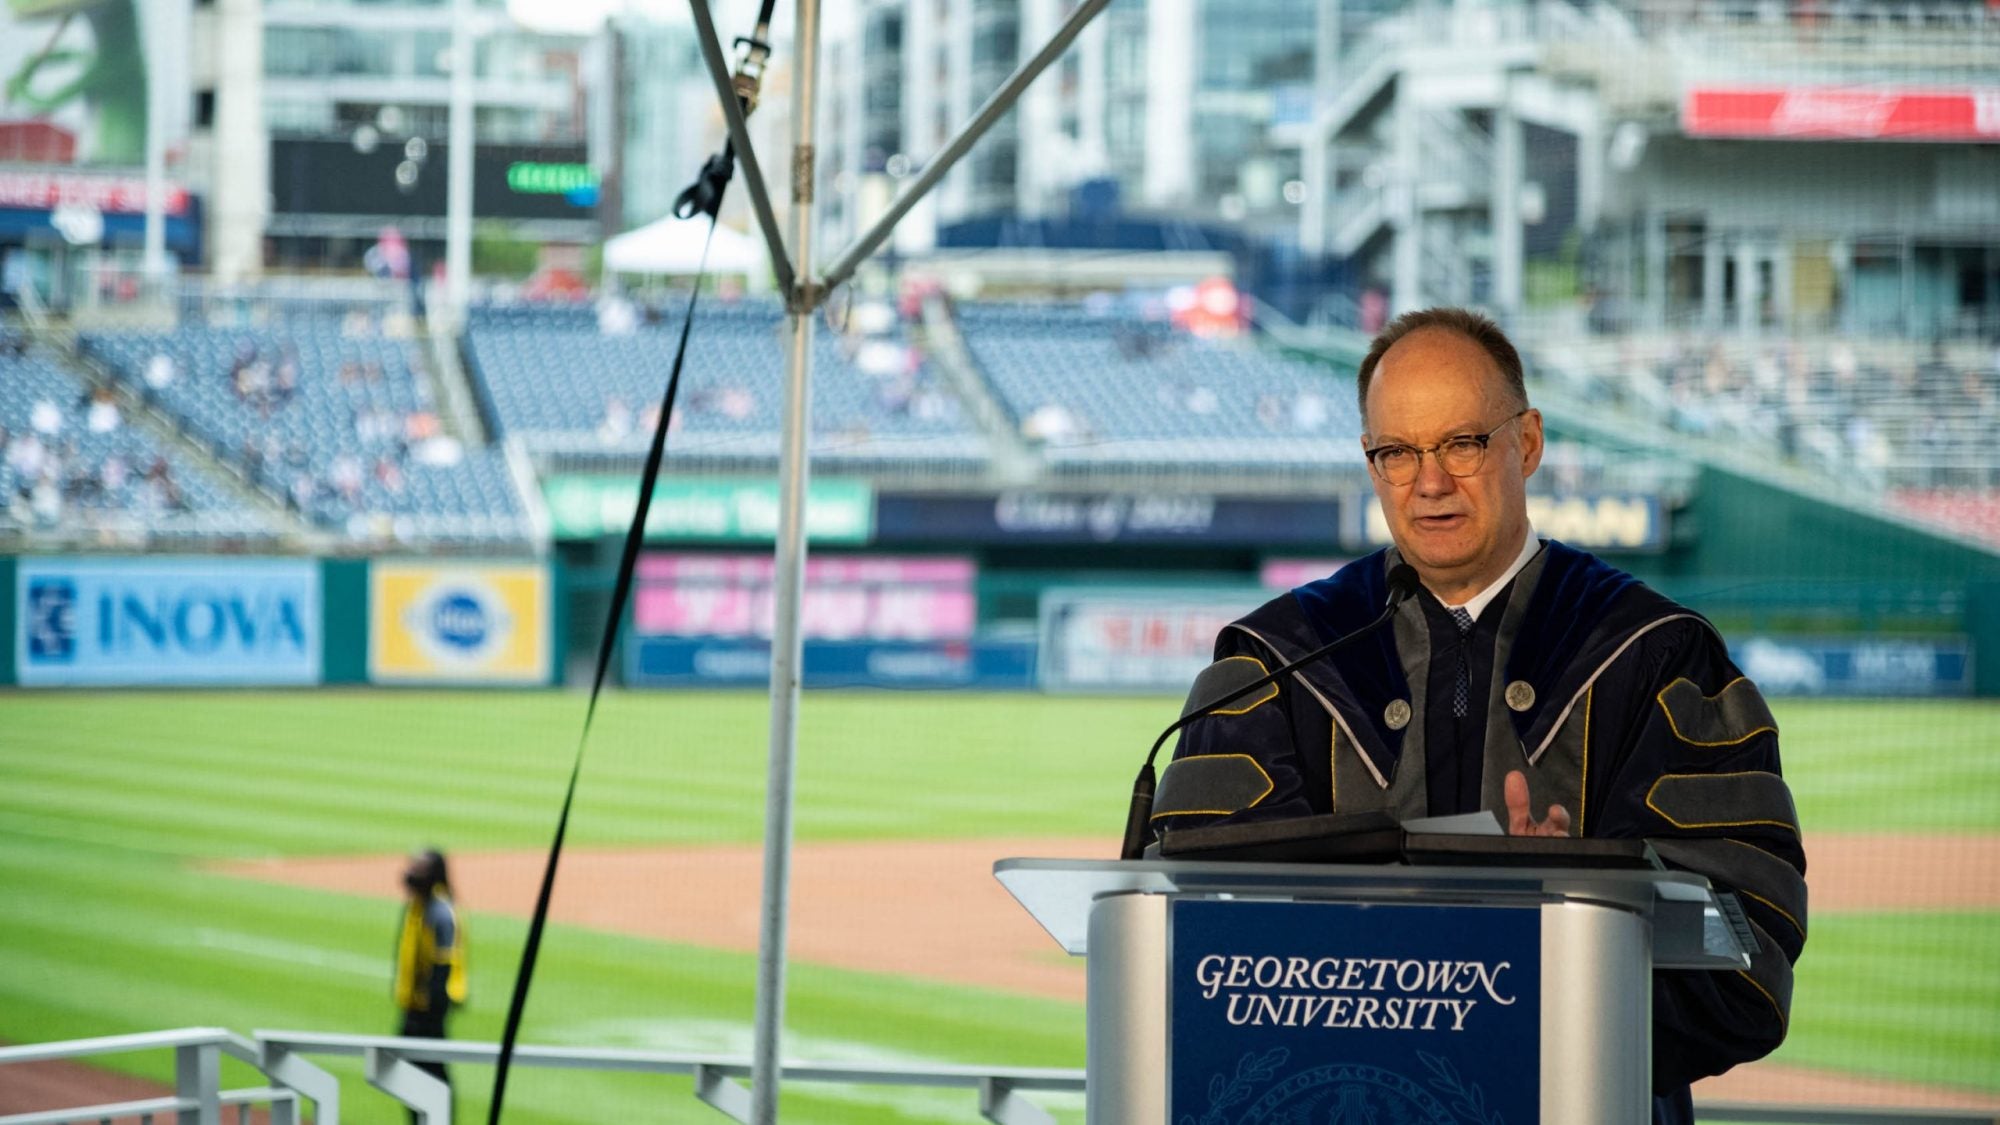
(1525, 678)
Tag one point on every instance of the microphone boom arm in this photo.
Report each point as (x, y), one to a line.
(1403, 582)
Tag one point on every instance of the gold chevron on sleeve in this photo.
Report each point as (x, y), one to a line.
(1730, 717)
(1723, 800)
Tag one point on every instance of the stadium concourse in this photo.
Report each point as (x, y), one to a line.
(339, 425)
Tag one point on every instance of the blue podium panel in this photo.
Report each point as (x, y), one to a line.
(1342, 1013)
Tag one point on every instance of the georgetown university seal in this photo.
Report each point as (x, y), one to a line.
(1337, 1094)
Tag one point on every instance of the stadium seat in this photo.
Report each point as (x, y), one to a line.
(334, 420)
(70, 465)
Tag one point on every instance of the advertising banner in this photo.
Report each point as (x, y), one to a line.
(742, 662)
(875, 620)
(32, 190)
(1290, 574)
(1849, 113)
(861, 597)
(1042, 517)
(746, 511)
(1133, 639)
(1314, 1011)
(146, 621)
(1856, 665)
(458, 623)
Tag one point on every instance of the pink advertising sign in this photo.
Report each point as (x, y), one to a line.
(872, 598)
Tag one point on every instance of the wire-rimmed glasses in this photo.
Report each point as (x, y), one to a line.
(1461, 455)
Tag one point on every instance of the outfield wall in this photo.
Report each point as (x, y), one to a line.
(226, 621)
(701, 618)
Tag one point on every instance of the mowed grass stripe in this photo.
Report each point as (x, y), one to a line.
(209, 760)
(36, 828)
(280, 799)
(1918, 766)
(877, 765)
(1914, 997)
(219, 823)
(869, 763)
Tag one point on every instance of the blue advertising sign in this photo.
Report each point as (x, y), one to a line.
(1856, 666)
(723, 661)
(140, 621)
(1297, 1011)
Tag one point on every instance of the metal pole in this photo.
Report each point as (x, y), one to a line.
(159, 38)
(1405, 216)
(789, 586)
(739, 139)
(458, 168)
(1509, 163)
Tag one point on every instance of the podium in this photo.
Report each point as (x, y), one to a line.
(1222, 993)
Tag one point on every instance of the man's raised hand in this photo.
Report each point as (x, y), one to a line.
(1521, 822)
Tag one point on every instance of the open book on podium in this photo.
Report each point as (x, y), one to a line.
(1352, 968)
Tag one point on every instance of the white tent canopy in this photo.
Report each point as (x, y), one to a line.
(673, 246)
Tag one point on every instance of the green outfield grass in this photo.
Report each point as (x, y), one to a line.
(106, 799)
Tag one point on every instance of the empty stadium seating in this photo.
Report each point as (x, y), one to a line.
(326, 413)
(67, 468)
(1871, 415)
(1093, 388)
(553, 378)
(1082, 389)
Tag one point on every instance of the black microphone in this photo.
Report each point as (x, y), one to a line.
(1403, 582)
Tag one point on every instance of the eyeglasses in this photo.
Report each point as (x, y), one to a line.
(1461, 456)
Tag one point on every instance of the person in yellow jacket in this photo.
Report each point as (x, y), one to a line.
(430, 954)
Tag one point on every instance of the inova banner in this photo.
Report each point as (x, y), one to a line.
(142, 621)
(1334, 1012)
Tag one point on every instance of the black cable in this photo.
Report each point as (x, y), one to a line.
(702, 197)
(621, 591)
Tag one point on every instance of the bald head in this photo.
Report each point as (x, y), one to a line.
(1476, 327)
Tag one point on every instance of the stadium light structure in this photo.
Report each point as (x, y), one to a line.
(163, 39)
(458, 168)
(803, 297)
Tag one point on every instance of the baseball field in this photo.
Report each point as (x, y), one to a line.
(231, 859)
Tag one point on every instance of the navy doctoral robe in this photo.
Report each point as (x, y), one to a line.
(1612, 700)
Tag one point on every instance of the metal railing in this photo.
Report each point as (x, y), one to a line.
(389, 1064)
(198, 1097)
(1757, 1113)
(1002, 1092)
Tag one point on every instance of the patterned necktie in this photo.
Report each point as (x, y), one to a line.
(1461, 692)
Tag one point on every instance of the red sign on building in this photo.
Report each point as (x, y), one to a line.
(1869, 113)
(111, 195)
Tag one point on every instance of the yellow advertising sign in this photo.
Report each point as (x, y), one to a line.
(458, 623)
